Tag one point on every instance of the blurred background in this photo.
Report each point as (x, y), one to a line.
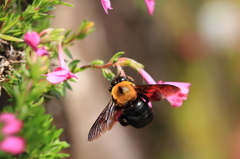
(195, 41)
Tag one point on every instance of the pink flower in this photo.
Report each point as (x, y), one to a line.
(42, 52)
(149, 3)
(61, 73)
(175, 100)
(150, 6)
(106, 5)
(10, 143)
(32, 39)
(146, 76)
(13, 145)
(10, 124)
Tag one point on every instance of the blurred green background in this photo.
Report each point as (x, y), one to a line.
(195, 41)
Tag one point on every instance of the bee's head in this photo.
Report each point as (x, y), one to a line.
(120, 79)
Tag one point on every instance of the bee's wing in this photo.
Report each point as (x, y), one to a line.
(104, 122)
(156, 92)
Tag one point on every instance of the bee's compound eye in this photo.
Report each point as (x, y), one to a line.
(114, 82)
(130, 79)
(123, 79)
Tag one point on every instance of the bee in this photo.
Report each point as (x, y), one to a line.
(129, 105)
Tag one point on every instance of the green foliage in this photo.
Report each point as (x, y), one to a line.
(84, 29)
(10, 38)
(73, 66)
(116, 60)
(108, 74)
(25, 80)
(26, 85)
(15, 22)
(41, 137)
(97, 62)
(115, 57)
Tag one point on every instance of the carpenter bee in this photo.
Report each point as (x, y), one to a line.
(129, 105)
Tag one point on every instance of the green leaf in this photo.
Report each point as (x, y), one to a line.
(78, 70)
(73, 80)
(81, 36)
(67, 33)
(134, 64)
(10, 23)
(8, 88)
(84, 29)
(97, 62)
(115, 57)
(43, 24)
(10, 38)
(27, 84)
(41, 16)
(108, 74)
(67, 4)
(73, 65)
(68, 53)
(67, 85)
(3, 18)
(38, 103)
(37, 91)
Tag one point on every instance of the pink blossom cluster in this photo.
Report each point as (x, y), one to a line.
(149, 3)
(61, 73)
(175, 100)
(10, 126)
(32, 39)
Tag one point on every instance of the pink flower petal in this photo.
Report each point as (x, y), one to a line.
(10, 124)
(32, 39)
(106, 5)
(177, 99)
(59, 75)
(150, 6)
(42, 52)
(60, 55)
(146, 76)
(148, 79)
(13, 145)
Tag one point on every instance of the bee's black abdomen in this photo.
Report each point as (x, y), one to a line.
(138, 114)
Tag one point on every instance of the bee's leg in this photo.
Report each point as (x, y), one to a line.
(122, 121)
